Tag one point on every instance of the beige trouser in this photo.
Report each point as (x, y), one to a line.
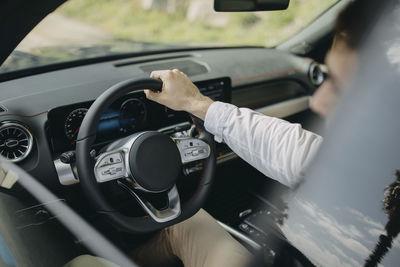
(198, 241)
(89, 261)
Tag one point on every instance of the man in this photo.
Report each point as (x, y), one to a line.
(277, 148)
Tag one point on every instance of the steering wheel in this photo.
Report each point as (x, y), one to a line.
(148, 161)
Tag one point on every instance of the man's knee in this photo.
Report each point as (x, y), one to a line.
(196, 225)
(89, 261)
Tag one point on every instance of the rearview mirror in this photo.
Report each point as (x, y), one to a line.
(249, 5)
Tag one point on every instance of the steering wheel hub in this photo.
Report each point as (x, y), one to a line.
(154, 162)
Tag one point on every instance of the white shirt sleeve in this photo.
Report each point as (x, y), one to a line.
(277, 148)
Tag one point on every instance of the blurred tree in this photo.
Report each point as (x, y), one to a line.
(203, 10)
(391, 207)
(164, 5)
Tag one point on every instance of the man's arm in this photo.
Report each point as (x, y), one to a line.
(279, 149)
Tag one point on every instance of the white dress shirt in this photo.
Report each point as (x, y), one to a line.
(277, 148)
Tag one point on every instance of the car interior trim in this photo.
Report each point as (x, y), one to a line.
(172, 211)
(65, 173)
(226, 157)
(274, 74)
(317, 73)
(18, 142)
(140, 61)
(25, 116)
(240, 236)
(3, 109)
(190, 66)
(286, 108)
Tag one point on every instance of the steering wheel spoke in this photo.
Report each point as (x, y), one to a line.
(192, 149)
(172, 211)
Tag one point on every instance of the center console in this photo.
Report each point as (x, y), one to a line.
(251, 207)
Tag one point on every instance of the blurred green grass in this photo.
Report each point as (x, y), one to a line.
(126, 19)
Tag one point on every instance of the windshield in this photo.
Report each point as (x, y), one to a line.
(83, 29)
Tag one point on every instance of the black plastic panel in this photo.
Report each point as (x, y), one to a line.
(264, 94)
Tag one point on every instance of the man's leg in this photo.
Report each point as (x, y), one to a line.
(89, 261)
(156, 252)
(198, 241)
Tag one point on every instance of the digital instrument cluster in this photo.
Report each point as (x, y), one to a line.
(130, 116)
(127, 115)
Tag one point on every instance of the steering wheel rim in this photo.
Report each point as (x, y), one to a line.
(85, 163)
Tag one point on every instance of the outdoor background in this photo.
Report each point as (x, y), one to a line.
(82, 29)
(192, 21)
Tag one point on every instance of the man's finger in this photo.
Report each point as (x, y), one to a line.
(156, 74)
(146, 92)
(150, 94)
(159, 74)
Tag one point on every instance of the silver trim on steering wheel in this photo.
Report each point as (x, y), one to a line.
(171, 212)
(114, 164)
(192, 149)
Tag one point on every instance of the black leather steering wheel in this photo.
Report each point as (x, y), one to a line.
(148, 161)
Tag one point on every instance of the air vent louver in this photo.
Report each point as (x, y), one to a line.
(2, 109)
(317, 74)
(15, 141)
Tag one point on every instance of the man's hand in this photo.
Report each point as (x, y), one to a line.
(179, 93)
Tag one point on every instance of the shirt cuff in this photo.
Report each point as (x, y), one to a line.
(216, 117)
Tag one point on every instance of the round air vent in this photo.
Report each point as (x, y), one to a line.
(317, 75)
(15, 141)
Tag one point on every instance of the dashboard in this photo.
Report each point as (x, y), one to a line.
(127, 115)
(47, 108)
